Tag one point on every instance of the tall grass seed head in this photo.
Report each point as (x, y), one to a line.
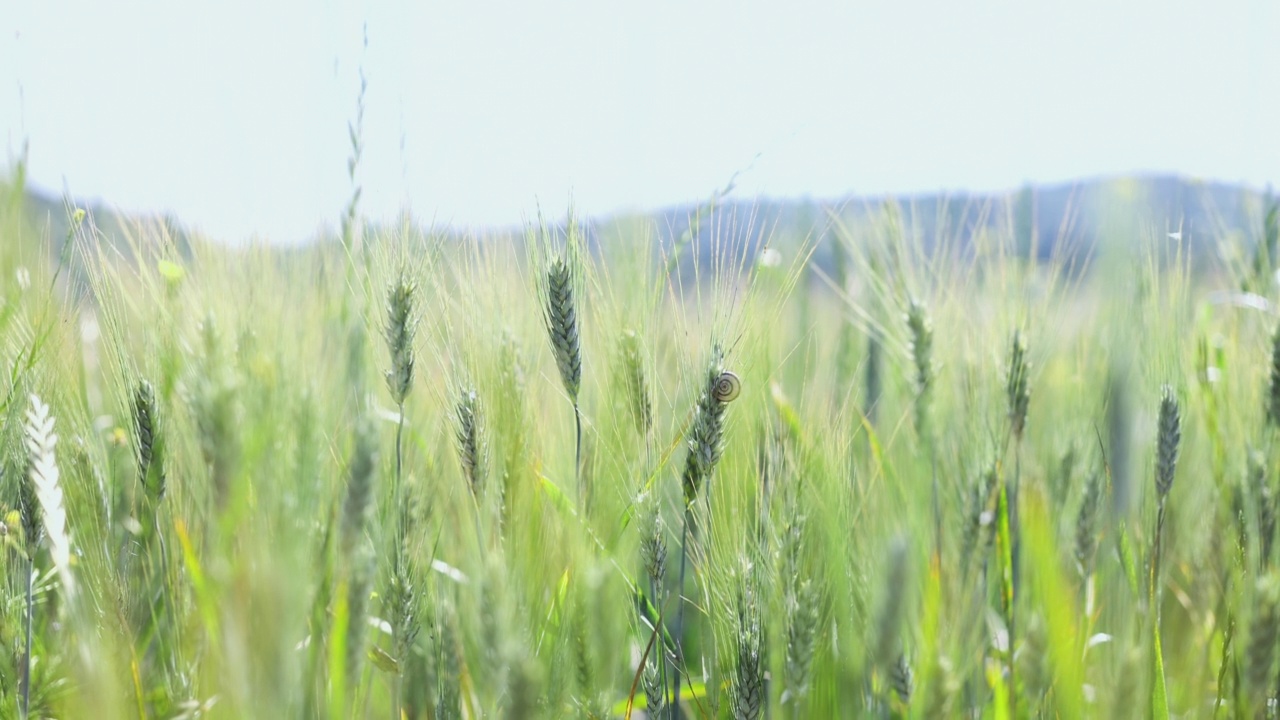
(46, 486)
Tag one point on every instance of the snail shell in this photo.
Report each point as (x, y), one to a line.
(727, 387)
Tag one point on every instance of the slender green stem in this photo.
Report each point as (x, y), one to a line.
(26, 658)
(396, 495)
(1015, 530)
(937, 506)
(399, 453)
(679, 631)
(1154, 588)
(1220, 698)
(577, 457)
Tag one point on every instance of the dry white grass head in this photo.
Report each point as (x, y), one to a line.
(41, 441)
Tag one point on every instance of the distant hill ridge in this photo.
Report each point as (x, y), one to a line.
(1076, 214)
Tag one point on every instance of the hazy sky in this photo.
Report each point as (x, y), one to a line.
(233, 114)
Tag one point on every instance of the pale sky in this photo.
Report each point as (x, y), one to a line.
(233, 114)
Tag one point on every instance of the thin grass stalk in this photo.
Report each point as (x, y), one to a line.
(921, 332)
(560, 315)
(705, 439)
(401, 326)
(1167, 442)
(678, 664)
(25, 678)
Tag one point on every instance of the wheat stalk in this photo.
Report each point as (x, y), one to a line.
(1264, 633)
(469, 434)
(356, 571)
(653, 555)
(1272, 398)
(921, 331)
(1265, 502)
(1018, 388)
(872, 382)
(146, 423)
(747, 686)
(399, 331)
(636, 382)
(706, 430)
(1168, 439)
(703, 441)
(1086, 540)
(561, 317)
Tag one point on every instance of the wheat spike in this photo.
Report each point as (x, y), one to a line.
(706, 431)
(747, 691)
(361, 474)
(1265, 502)
(1087, 524)
(888, 645)
(902, 679)
(469, 433)
(1018, 388)
(1168, 439)
(922, 355)
(561, 317)
(636, 382)
(1264, 633)
(401, 326)
(803, 614)
(872, 383)
(146, 422)
(1273, 385)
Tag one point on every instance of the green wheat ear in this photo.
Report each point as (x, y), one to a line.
(1018, 388)
(888, 632)
(747, 686)
(561, 317)
(636, 382)
(706, 431)
(1265, 502)
(469, 434)
(1264, 633)
(872, 382)
(902, 679)
(401, 326)
(1273, 385)
(361, 475)
(1169, 438)
(921, 330)
(146, 423)
(1086, 540)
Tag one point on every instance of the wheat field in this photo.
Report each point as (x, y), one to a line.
(597, 471)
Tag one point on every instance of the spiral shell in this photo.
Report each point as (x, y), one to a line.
(727, 387)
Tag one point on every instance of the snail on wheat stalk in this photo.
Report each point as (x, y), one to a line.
(727, 387)
(704, 437)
